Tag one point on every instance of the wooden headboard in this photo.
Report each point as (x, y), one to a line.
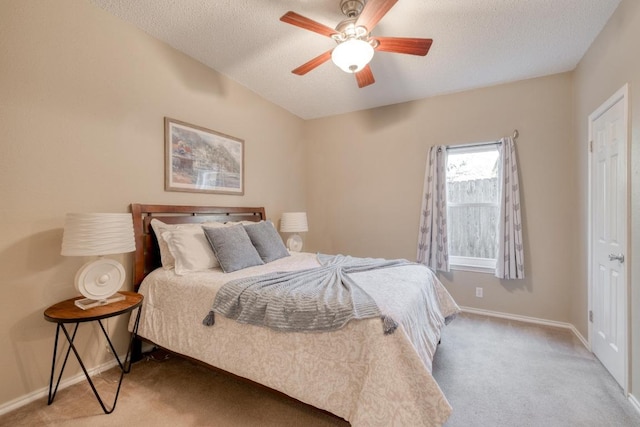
(147, 255)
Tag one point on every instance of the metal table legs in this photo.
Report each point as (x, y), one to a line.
(125, 365)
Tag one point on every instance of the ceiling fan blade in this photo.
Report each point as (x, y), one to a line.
(307, 24)
(373, 12)
(315, 62)
(406, 45)
(365, 77)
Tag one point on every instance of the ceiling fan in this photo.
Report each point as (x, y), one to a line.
(356, 45)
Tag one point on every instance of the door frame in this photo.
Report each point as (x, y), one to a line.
(620, 94)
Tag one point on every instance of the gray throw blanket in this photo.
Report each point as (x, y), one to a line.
(319, 299)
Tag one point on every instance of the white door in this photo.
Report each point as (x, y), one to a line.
(608, 193)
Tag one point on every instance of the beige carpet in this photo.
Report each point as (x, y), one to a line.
(494, 372)
(497, 372)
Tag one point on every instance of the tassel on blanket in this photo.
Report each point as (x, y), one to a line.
(388, 325)
(210, 319)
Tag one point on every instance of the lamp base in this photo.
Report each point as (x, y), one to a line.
(294, 243)
(87, 303)
(100, 279)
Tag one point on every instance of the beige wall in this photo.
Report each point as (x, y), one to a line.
(82, 100)
(611, 62)
(365, 177)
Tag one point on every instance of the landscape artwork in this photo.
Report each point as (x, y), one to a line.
(202, 160)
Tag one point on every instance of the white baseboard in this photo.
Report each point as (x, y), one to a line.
(529, 320)
(44, 392)
(634, 402)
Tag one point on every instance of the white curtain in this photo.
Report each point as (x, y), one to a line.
(433, 250)
(510, 259)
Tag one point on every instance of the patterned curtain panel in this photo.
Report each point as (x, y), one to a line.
(433, 250)
(510, 260)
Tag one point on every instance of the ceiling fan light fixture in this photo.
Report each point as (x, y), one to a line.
(352, 55)
(355, 45)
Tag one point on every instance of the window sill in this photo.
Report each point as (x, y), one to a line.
(473, 268)
(477, 265)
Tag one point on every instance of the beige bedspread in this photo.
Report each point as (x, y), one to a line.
(357, 372)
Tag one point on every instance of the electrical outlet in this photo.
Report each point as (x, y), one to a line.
(479, 292)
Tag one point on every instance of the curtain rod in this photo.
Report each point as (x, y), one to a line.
(515, 136)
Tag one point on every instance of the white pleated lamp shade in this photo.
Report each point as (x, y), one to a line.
(96, 234)
(294, 222)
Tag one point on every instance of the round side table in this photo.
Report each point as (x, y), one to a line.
(66, 312)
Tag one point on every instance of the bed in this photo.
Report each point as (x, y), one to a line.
(356, 372)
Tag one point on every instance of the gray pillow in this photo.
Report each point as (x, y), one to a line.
(266, 240)
(232, 247)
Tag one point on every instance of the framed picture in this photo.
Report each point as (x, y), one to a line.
(202, 160)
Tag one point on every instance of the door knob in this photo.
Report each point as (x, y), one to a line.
(619, 257)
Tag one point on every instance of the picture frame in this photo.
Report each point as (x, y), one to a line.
(201, 160)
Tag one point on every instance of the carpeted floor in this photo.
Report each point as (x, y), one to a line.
(497, 372)
(494, 373)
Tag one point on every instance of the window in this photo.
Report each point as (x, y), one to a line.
(472, 207)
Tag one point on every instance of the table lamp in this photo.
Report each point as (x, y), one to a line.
(294, 222)
(98, 234)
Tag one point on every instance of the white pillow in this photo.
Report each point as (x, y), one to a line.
(230, 223)
(160, 227)
(190, 249)
(166, 257)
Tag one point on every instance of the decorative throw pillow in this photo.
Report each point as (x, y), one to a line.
(190, 249)
(266, 240)
(232, 248)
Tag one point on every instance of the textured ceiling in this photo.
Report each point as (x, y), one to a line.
(477, 43)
